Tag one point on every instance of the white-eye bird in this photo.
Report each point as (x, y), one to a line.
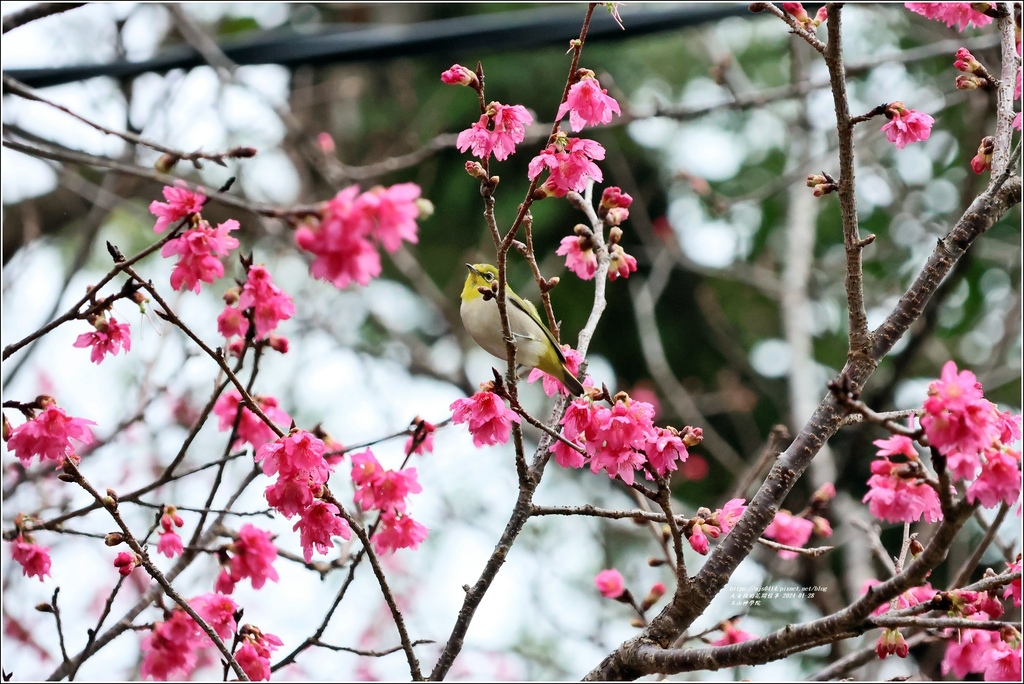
(535, 345)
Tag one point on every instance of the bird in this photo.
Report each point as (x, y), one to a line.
(536, 347)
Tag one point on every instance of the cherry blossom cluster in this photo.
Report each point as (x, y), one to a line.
(351, 226)
(262, 302)
(578, 249)
(251, 556)
(297, 459)
(621, 438)
(386, 491)
(33, 558)
(906, 125)
(973, 440)
(49, 433)
(109, 337)
(170, 543)
(172, 648)
(486, 416)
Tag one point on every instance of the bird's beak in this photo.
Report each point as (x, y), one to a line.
(470, 267)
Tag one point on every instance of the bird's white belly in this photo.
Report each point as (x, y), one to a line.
(479, 314)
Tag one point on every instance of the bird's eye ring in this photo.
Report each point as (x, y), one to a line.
(488, 277)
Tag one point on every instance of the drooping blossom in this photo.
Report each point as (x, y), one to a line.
(587, 103)
(317, 524)
(509, 129)
(1003, 660)
(906, 125)
(398, 531)
(421, 441)
(727, 515)
(550, 384)
(959, 14)
(387, 489)
(891, 642)
(622, 264)
(270, 304)
(252, 556)
(957, 417)
(49, 435)
(580, 257)
(34, 558)
(895, 494)
(487, 417)
(351, 224)
(614, 206)
(251, 427)
(731, 634)
(664, 450)
(896, 445)
(298, 461)
(459, 75)
(999, 479)
(232, 322)
(180, 203)
(610, 583)
(109, 337)
(790, 530)
(570, 165)
(170, 649)
(908, 599)
(253, 656)
(170, 543)
(982, 161)
(199, 250)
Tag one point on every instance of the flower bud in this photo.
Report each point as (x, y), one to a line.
(44, 607)
(969, 82)
(279, 343)
(425, 207)
(460, 75)
(113, 539)
(657, 591)
(166, 162)
(476, 170)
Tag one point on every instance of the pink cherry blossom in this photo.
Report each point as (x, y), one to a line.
(999, 481)
(340, 241)
(218, 611)
(198, 250)
(422, 440)
(251, 427)
(698, 540)
(397, 531)
(181, 202)
(664, 449)
(459, 75)
(895, 445)
(35, 559)
(614, 207)
(317, 524)
(1003, 661)
(966, 651)
(790, 530)
(289, 496)
(394, 211)
(610, 583)
(906, 125)
(49, 435)
(732, 635)
(270, 304)
(298, 454)
(550, 384)
(232, 322)
(388, 491)
(588, 104)
(957, 418)
(616, 437)
(580, 257)
(366, 470)
(170, 649)
(891, 642)
(570, 165)
(254, 654)
(622, 264)
(125, 562)
(170, 544)
(566, 456)
(1013, 589)
(509, 129)
(108, 338)
(959, 14)
(894, 495)
(253, 555)
(728, 514)
(489, 421)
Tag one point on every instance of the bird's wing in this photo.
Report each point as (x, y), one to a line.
(527, 307)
